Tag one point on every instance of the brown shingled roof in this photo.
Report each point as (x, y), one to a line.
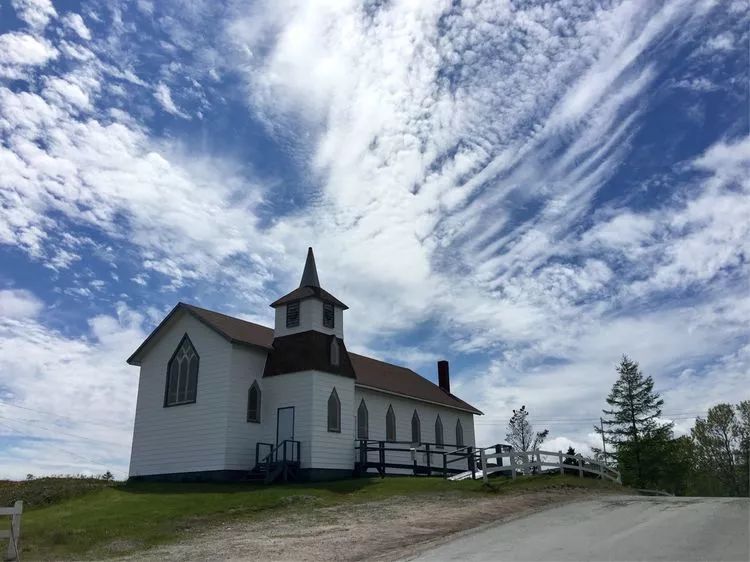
(307, 351)
(307, 292)
(400, 380)
(369, 372)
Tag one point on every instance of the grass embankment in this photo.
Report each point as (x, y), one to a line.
(123, 518)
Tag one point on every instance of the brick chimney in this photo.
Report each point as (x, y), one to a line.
(444, 379)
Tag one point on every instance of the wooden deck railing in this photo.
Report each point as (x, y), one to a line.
(524, 462)
(447, 460)
(418, 458)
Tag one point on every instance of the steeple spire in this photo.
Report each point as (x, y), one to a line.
(310, 274)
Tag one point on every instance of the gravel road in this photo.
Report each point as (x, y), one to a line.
(612, 528)
(385, 530)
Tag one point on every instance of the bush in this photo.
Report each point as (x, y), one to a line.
(43, 491)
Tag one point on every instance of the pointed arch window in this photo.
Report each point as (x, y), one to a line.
(334, 412)
(439, 440)
(253, 403)
(362, 422)
(459, 434)
(335, 352)
(390, 424)
(416, 428)
(182, 374)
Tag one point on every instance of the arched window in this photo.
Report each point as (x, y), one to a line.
(362, 424)
(253, 403)
(335, 353)
(334, 412)
(390, 425)
(459, 434)
(182, 374)
(439, 441)
(416, 428)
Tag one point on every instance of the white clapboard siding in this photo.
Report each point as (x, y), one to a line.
(310, 318)
(189, 437)
(333, 450)
(377, 407)
(247, 366)
(281, 391)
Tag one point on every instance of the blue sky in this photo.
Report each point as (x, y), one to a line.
(527, 189)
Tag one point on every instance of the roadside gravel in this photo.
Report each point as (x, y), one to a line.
(384, 530)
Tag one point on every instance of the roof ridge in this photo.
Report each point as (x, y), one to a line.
(387, 363)
(223, 314)
(238, 330)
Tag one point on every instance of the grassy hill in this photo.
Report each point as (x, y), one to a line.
(88, 518)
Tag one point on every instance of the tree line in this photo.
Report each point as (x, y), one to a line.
(713, 460)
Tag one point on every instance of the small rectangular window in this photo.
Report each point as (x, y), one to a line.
(328, 315)
(292, 314)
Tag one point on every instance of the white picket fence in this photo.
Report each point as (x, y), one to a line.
(524, 462)
(14, 533)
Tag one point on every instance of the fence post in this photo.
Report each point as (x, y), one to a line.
(580, 467)
(562, 469)
(429, 467)
(15, 531)
(445, 465)
(381, 445)
(472, 463)
(484, 465)
(363, 456)
(499, 460)
(512, 464)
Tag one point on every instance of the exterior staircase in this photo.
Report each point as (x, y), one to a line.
(280, 463)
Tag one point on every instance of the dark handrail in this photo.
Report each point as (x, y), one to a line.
(273, 453)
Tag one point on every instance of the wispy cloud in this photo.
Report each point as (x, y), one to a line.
(164, 96)
(481, 181)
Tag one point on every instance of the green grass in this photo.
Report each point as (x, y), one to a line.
(123, 518)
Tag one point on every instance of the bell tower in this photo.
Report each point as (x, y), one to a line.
(309, 307)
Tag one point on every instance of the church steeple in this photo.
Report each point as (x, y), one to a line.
(310, 274)
(309, 306)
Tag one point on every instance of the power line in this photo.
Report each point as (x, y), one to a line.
(592, 421)
(22, 434)
(55, 415)
(58, 430)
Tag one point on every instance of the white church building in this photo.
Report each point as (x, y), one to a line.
(219, 397)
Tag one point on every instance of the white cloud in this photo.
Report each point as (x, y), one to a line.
(113, 177)
(722, 42)
(18, 51)
(36, 13)
(19, 303)
(67, 93)
(164, 96)
(76, 23)
(65, 393)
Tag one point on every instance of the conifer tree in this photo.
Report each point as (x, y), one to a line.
(631, 427)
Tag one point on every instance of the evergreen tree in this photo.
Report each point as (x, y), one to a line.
(570, 461)
(631, 426)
